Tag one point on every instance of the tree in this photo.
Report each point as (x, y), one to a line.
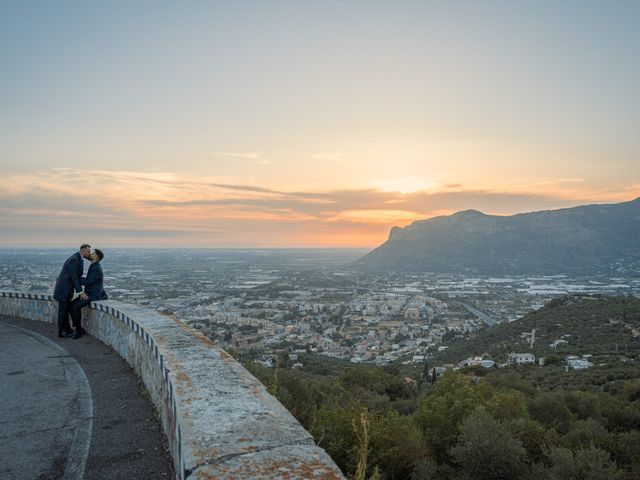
(507, 404)
(586, 433)
(371, 378)
(584, 464)
(332, 427)
(487, 450)
(440, 413)
(429, 469)
(550, 410)
(553, 359)
(631, 390)
(536, 439)
(625, 451)
(425, 372)
(583, 404)
(397, 444)
(296, 393)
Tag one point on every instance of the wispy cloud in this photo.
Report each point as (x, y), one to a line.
(258, 157)
(180, 209)
(246, 155)
(245, 188)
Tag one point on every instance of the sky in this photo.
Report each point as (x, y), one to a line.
(307, 123)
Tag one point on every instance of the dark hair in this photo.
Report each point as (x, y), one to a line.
(99, 253)
(85, 245)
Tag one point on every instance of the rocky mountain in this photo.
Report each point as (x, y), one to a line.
(575, 240)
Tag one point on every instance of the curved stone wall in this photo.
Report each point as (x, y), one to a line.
(220, 421)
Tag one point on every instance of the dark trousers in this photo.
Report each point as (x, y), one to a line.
(63, 316)
(76, 311)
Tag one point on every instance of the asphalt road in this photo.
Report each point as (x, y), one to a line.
(481, 315)
(73, 409)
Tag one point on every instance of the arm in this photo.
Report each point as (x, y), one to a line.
(75, 278)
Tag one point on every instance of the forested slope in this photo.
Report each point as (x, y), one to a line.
(513, 423)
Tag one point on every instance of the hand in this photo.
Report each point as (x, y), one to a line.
(84, 296)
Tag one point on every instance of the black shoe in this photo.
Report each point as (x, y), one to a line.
(78, 334)
(65, 335)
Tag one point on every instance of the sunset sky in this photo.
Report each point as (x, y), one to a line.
(307, 123)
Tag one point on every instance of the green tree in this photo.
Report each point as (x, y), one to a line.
(584, 464)
(439, 414)
(332, 427)
(371, 378)
(297, 394)
(625, 451)
(583, 404)
(374, 387)
(487, 450)
(586, 433)
(535, 438)
(631, 390)
(397, 444)
(507, 404)
(429, 469)
(549, 408)
(553, 359)
(620, 415)
(511, 380)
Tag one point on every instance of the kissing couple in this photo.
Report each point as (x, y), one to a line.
(69, 280)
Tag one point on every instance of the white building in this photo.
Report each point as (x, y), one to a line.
(471, 361)
(578, 363)
(521, 358)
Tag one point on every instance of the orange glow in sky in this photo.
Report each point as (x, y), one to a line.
(307, 124)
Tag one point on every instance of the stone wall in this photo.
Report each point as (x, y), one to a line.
(220, 421)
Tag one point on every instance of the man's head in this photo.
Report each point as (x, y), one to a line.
(85, 250)
(97, 255)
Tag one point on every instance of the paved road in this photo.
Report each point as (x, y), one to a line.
(481, 315)
(73, 409)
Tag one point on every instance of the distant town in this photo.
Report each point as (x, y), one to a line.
(262, 302)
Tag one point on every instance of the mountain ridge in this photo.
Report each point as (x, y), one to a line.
(568, 240)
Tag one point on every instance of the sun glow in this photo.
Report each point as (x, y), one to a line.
(182, 209)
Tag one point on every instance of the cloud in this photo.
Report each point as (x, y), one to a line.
(245, 188)
(181, 210)
(246, 155)
(258, 157)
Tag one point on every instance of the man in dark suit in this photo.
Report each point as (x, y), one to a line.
(67, 281)
(93, 291)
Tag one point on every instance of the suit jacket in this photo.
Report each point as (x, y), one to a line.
(93, 283)
(69, 278)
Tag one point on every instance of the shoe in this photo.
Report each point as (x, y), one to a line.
(65, 335)
(78, 334)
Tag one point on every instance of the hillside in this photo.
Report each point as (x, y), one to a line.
(527, 423)
(606, 327)
(572, 240)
